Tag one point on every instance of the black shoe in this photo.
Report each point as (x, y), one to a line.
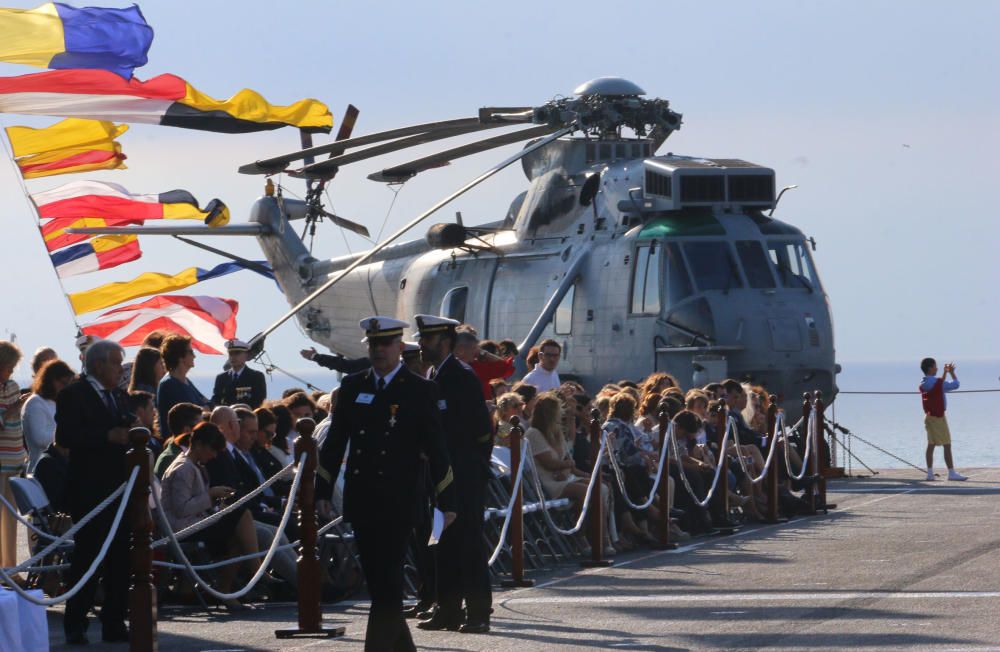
(426, 615)
(475, 627)
(76, 638)
(677, 513)
(115, 634)
(441, 621)
(416, 610)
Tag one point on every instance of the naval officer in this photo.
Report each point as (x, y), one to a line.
(463, 571)
(240, 384)
(386, 417)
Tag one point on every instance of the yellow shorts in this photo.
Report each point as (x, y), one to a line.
(937, 431)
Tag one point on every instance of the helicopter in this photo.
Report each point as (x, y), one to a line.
(633, 261)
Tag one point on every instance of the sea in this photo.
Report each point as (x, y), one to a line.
(890, 422)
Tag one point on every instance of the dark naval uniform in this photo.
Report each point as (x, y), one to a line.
(383, 432)
(463, 571)
(249, 386)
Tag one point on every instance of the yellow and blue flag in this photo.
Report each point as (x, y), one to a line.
(56, 35)
(151, 283)
(103, 252)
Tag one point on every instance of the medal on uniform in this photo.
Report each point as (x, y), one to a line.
(392, 415)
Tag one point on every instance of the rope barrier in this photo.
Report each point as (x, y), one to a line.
(779, 421)
(715, 480)
(48, 602)
(656, 480)
(218, 595)
(68, 535)
(957, 391)
(537, 483)
(209, 520)
(28, 524)
(242, 558)
(510, 506)
(810, 433)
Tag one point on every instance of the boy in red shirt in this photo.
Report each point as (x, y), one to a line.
(932, 394)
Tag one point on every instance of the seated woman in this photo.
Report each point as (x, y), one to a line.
(557, 471)
(637, 458)
(187, 499)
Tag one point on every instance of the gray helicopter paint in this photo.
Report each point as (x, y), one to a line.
(780, 336)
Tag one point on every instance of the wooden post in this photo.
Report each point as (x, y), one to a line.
(772, 472)
(721, 423)
(308, 569)
(806, 411)
(663, 492)
(821, 465)
(141, 592)
(516, 533)
(596, 522)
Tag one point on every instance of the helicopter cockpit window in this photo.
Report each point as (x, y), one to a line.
(564, 313)
(646, 280)
(678, 281)
(793, 264)
(453, 303)
(713, 266)
(755, 264)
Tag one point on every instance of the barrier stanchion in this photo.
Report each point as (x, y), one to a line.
(806, 411)
(772, 472)
(721, 423)
(596, 524)
(141, 592)
(663, 541)
(820, 455)
(309, 572)
(516, 536)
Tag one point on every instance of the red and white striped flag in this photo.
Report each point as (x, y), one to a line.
(209, 321)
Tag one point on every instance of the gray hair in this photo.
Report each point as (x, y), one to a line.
(100, 351)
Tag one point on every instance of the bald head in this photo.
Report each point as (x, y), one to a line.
(225, 418)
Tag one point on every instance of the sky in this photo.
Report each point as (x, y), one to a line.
(883, 113)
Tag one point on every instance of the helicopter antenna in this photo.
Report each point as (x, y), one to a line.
(257, 342)
(791, 187)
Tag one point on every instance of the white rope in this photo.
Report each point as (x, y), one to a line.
(48, 602)
(510, 506)
(67, 536)
(253, 555)
(810, 431)
(209, 520)
(28, 524)
(715, 480)
(656, 480)
(586, 499)
(779, 421)
(218, 595)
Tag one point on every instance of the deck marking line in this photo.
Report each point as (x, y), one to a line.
(784, 596)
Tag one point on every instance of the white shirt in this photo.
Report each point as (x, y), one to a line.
(542, 379)
(389, 376)
(38, 422)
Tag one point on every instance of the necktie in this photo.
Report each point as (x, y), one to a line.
(381, 384)
(109, 398)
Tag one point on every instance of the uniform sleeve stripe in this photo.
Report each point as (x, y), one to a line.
(441, 486)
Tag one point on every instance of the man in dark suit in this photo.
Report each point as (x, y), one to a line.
(240, 384)
(92, 422)
(463, 572)
(386, 417)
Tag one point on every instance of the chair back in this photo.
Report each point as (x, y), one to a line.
(29, 495)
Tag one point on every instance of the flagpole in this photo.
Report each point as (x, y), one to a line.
(9, 148)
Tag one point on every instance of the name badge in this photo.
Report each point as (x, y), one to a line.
(365, 398)
(442, 405)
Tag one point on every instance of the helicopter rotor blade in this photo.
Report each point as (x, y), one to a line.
(345, 223)
(257, 341)
(347, 124)
(410, 169)
(278, 163)
(328, 169)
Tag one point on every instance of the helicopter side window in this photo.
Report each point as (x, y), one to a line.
(755, 264)
(794, 267)
(453, 303)
(564, 313)
(713, 266)
(678, 281)
(646, 281)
